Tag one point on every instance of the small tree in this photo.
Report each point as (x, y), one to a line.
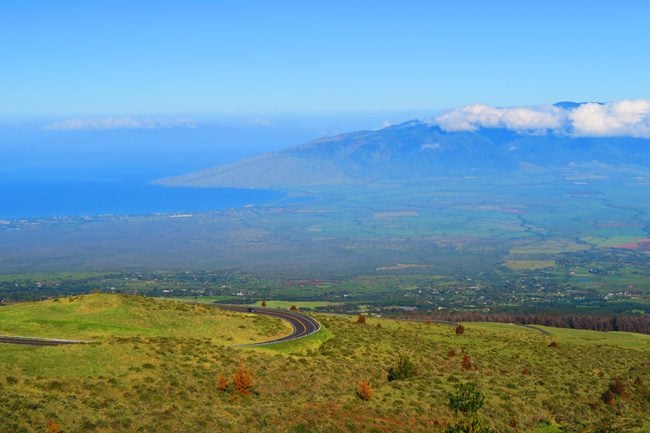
(466, 401)
(242, 380)
(293, 308)
(364, 390)
(403, 370)
(222, 382)
(263, 303)
(460, 329)
(361, 319)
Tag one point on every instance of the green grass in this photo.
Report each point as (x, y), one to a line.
(301, 345)
(100, 316)
(154, 382)
(201, 299)
(628, 340)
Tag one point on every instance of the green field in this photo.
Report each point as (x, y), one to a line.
(580, 336)
(135, 378)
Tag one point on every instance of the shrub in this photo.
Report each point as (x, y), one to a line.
(263, 303)
(467, 400)
(293, 308)
(451, 353)
(52, 426)
(467, 363)
(361, 319)
(222, 382)
(553, 344)
(242, 380)
(460, 329)
(608, 397)
(617, 388)
(403, 370)
(364, 390)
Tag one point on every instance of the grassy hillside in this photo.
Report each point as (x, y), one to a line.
(149, 381)
(100, 316)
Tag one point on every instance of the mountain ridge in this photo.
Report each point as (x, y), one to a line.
(414, 149)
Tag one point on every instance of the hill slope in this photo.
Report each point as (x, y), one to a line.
(101, 316)
(152, 383)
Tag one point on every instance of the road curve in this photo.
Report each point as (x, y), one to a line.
(302, 324)
(536, 328)
(31, 341)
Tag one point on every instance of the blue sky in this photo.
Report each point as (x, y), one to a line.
(139, 58)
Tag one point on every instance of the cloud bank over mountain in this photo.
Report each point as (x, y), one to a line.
(621, 118)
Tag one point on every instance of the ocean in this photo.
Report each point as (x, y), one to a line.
(76, 197)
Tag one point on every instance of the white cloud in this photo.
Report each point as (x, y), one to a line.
(116, 123)
(621, 118)
(473, 117)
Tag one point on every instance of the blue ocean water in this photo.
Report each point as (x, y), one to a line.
(47, 198)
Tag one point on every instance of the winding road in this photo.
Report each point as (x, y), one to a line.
(302, 324)
(31, 341)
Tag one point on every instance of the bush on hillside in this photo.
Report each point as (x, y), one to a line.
(364, 390)
(403, 370)
(467, 401)
(222, 382)
(242, 380)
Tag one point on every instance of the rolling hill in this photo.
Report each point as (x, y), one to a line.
(140, 376)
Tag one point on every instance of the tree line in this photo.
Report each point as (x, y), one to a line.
(595, 322)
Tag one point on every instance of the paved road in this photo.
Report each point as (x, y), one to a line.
(543, 331)
(303, 325)
(29, 341)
